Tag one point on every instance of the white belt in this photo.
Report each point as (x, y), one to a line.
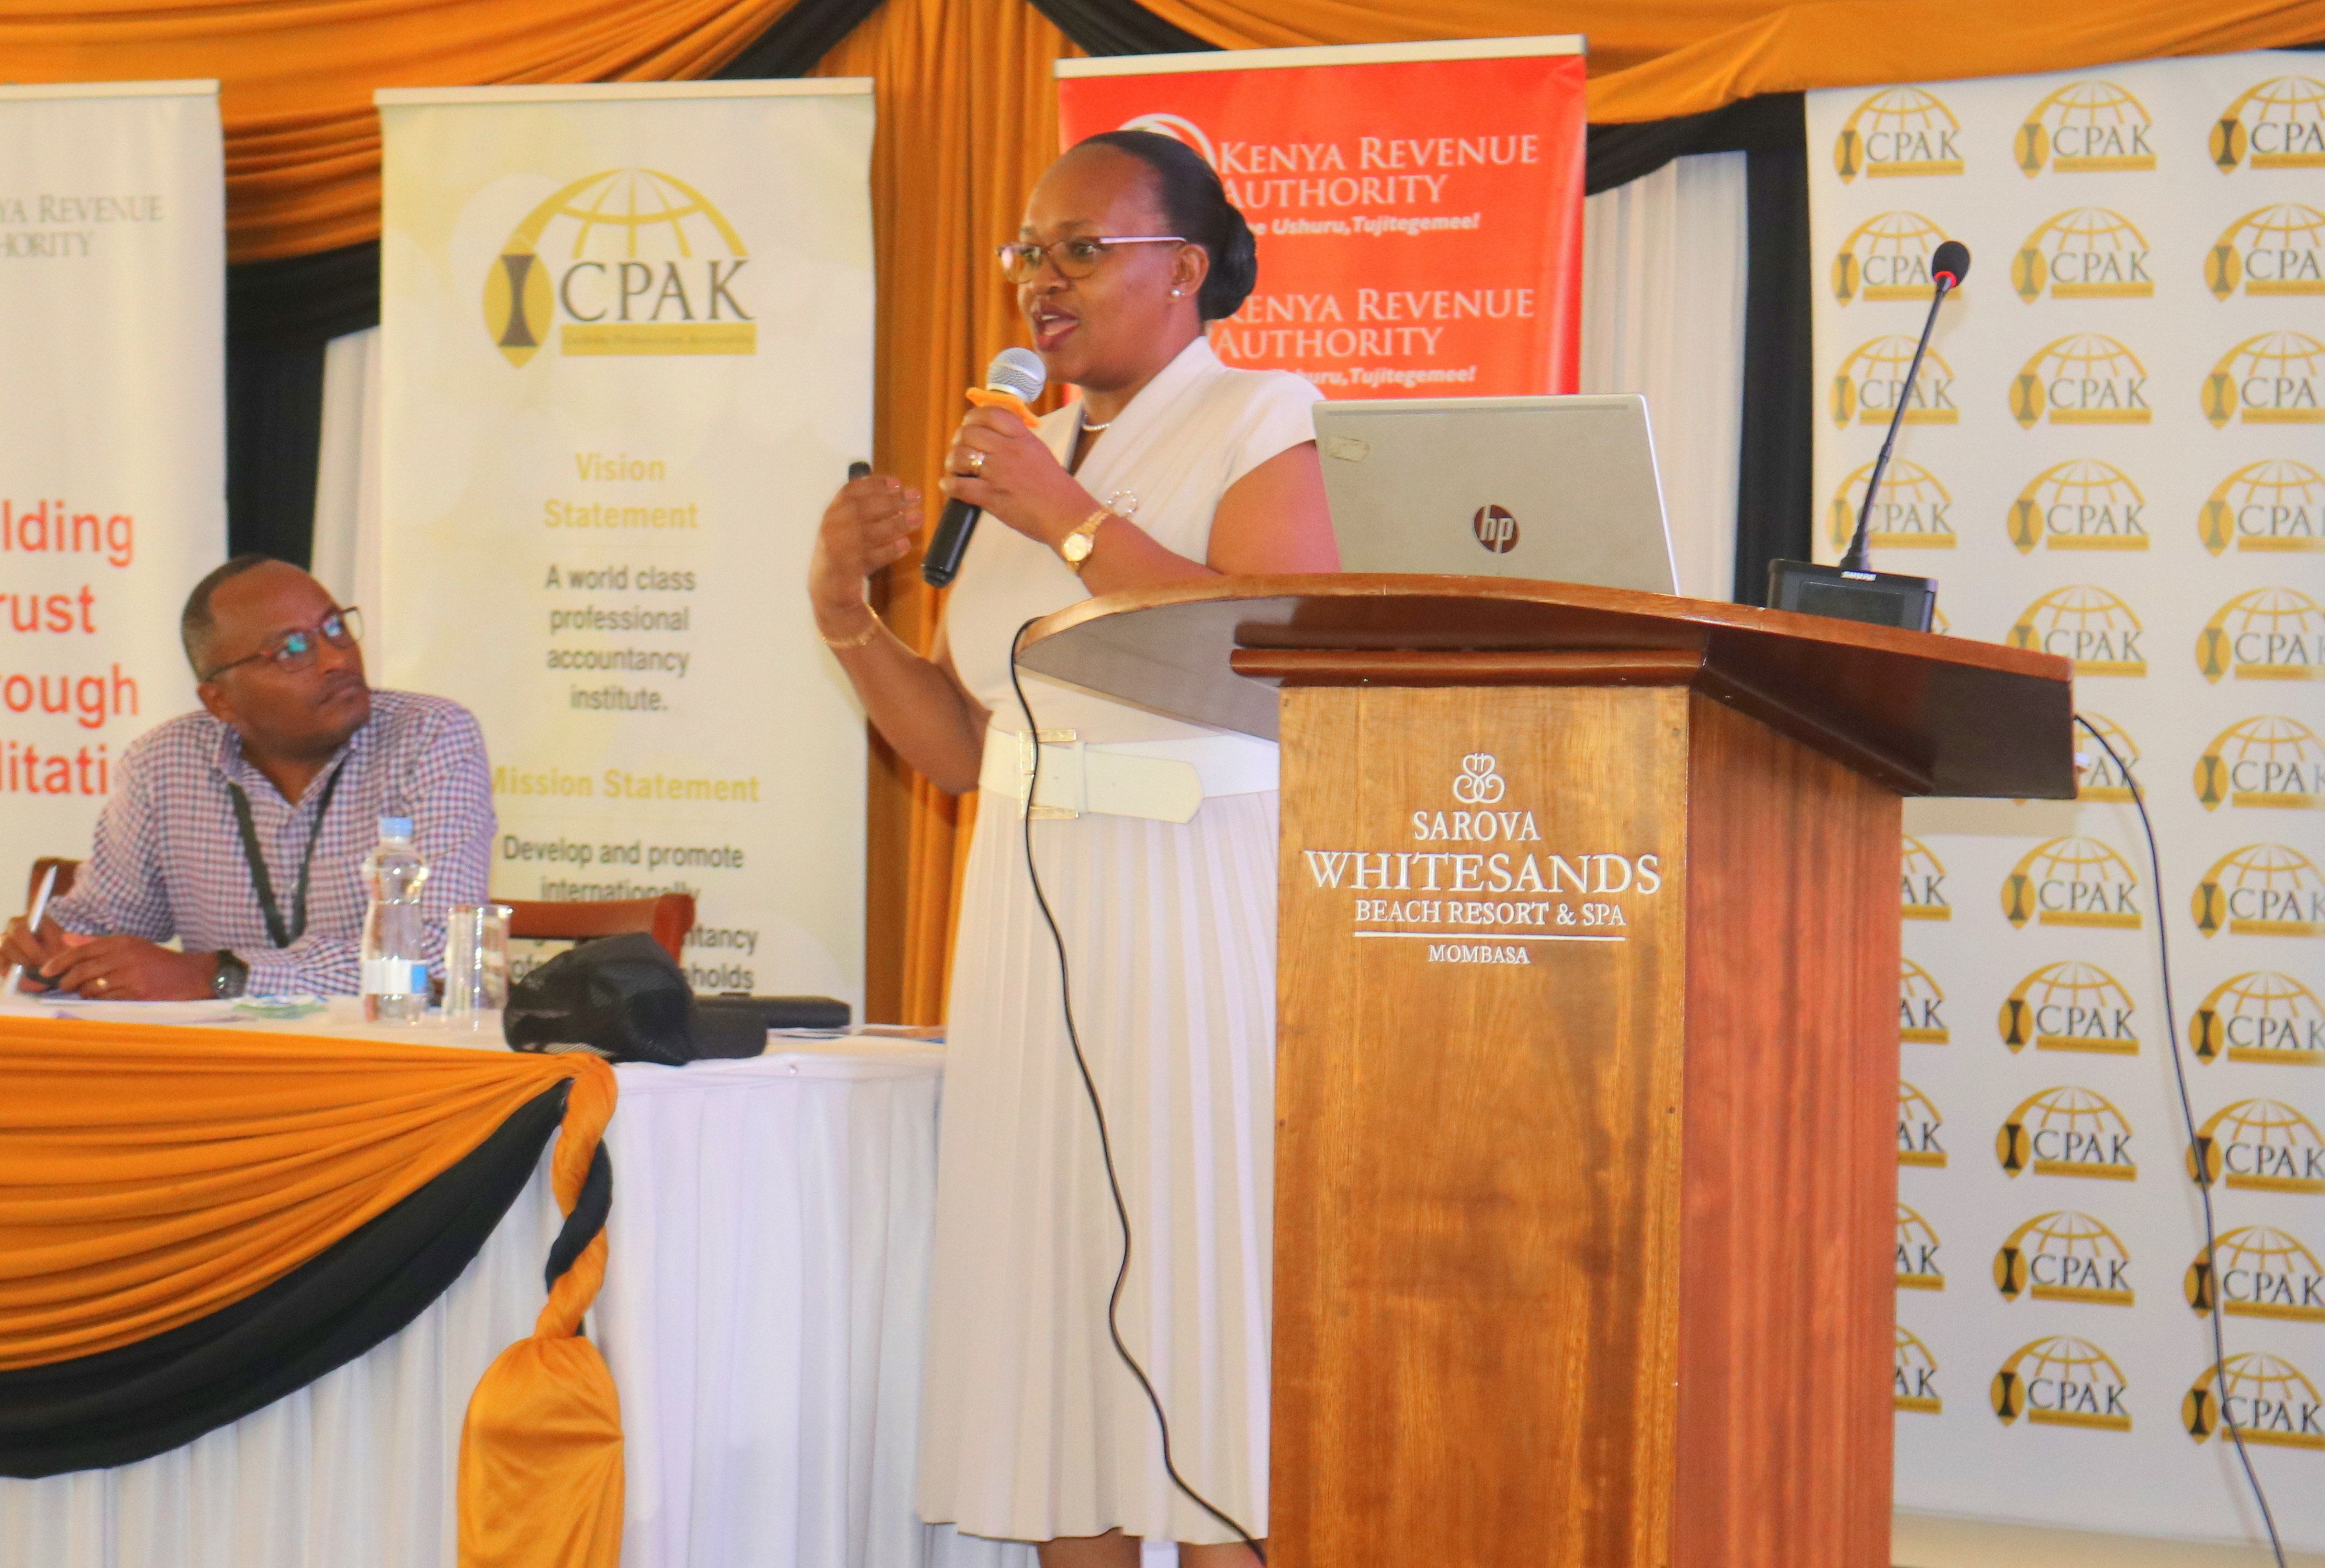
(1163, 780)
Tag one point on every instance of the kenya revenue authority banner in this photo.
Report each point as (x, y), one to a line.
(1418, 205)
(112, 434)
(628, 348)
(2116, 453)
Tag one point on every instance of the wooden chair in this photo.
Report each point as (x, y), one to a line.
(667, 919)
(66, 870)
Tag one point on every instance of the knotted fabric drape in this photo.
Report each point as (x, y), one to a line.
(193, 1222)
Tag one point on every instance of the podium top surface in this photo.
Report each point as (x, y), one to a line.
(1923, 714)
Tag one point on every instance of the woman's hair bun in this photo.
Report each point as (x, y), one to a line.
(1196, 206)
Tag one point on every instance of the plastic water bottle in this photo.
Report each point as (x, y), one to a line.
(394, 969)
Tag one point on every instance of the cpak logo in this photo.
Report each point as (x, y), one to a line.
(1924, 894)
(2271, 250)
(2067, 1132)
(1917, 1253)
(2263, 890)
(1920, 1021)
(2087, 378)
(1917, 1129)
(2267, 761)
(2101, 779)
(630, 261)
(2262, 1146)
(2279, 123)
(2070, 1006)
(2086, 252)
(2086, 623)
(1910, 514)
(2072, 882)
(2258, 1272)
(2064, 1256)
(2062, 1382)
(1872, 379)
(2081, 505)
(2268, 1400)
(1496, 529)
(2273, 504)
(2265, 634)
(2271, 378)
(2087, 127)
(2260, 1017)
(1898, 131)
(1915, 1380)
(1887, 258)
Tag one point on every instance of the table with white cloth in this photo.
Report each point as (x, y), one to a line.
(762, 1316)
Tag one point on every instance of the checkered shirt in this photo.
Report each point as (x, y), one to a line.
(169, 859)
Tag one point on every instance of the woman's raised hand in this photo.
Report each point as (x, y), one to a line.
(869, 525)
(998, 463)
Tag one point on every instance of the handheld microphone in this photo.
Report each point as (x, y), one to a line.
(1853, 591)
(1013, 379)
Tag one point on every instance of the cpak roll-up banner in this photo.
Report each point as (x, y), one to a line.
(1418, 205)
(627, 340)
(2115, 453)
(112, 434)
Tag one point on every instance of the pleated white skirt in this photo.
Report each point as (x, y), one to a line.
(1031, 1427)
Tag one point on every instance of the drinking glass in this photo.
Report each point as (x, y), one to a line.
(477, 966)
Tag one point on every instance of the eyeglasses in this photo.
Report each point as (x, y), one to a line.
(1021, 261)
(294, 651)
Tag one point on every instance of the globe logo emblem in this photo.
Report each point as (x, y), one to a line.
(2280, 124)
(2266, 635)
(1496, 529)
(2273, 504)
(1915, 1377)
(1924, 895)
(2270, 251)
(2086, 623)
(2091, 252)
(631, 261)
(2086, 127)
(2101, 779)
(1918, 1021)
(2260, 1017)
(1872, 379)
(2067, 1132)
(1917, 1129)
(1911, 513)
(2258, 1272)
(2271, 378)
(2262, 1146)
(2070, 1006)
(1898, 131)
(2267, 761)
(2081, 505)
(2064, 1256)
(1917, 1253)
(2062, 1382)
(2072, 882)
(2263, 890)
(2268, 1400)
(1887, 258)
(2085, 379)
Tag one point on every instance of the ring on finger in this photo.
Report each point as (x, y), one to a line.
(976, 461)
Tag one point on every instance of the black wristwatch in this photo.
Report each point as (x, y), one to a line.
(233, 976)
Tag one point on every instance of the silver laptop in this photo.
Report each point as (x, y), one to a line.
(1561, 489)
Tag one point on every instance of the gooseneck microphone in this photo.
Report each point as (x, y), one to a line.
(1013, 381)
(1949, 265)
(1852, 590)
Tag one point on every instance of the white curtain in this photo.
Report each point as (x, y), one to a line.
(346, 479)
(1662, 314)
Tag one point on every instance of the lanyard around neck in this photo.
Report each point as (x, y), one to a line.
(263, 885)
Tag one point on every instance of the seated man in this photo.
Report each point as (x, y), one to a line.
(242, 830)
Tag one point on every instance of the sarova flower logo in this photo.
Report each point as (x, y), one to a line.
(1478, 784)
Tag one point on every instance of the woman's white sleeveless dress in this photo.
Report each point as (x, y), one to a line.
(1031, 1427)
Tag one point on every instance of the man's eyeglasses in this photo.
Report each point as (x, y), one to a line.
(294, 651)
(1079, 257)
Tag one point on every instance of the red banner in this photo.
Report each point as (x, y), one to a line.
(1418, 207)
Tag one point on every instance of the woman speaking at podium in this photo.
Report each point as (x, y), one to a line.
(1170, 466)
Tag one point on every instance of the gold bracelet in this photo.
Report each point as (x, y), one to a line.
(843, 644)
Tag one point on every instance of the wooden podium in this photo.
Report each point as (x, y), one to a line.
(1587, 1066)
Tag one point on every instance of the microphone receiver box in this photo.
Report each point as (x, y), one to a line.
(1876, 598)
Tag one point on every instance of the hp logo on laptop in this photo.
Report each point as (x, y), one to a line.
(1496, 529)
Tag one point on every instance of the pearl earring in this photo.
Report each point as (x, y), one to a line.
(1176, 292)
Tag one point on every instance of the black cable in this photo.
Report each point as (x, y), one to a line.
(1098, 1111)
(2202, 1169)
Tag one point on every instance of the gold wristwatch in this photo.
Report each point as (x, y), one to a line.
(1075, 546)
